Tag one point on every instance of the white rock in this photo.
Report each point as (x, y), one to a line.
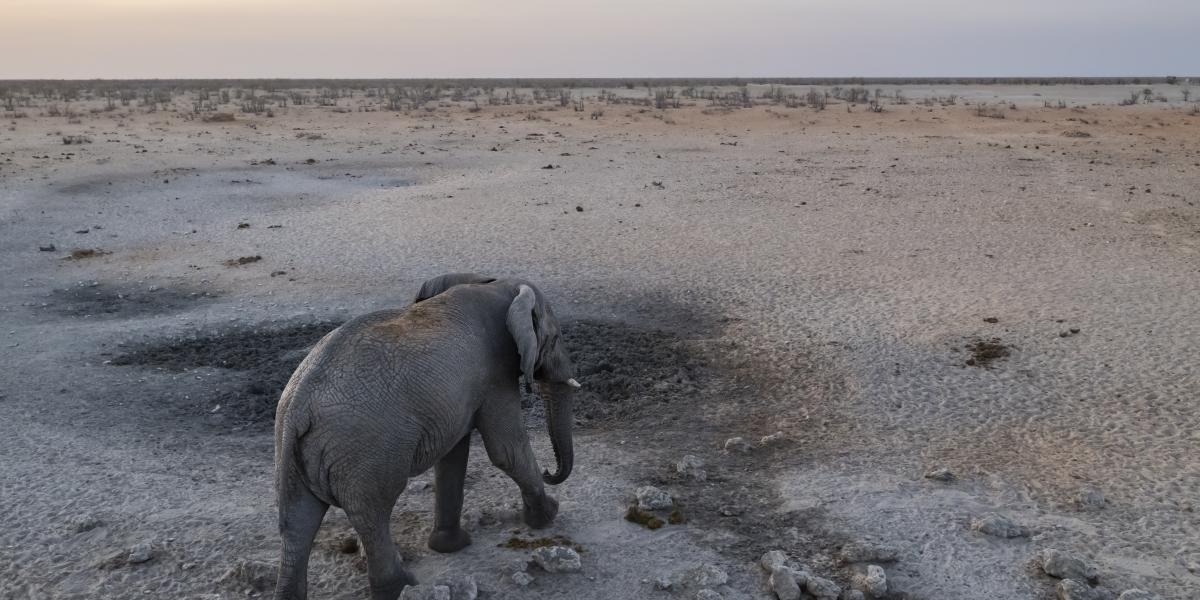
(1066, 566)
(940, 474)
(872, 582)
(522, 578)
(998, 525)
(652, 498)
(140, 553)
(702, 575)
(772, 559)
(691, 467)
(767, 440)
(737, 444)
(783, 583)
(822, 588)
(557, 559)
(462, 586)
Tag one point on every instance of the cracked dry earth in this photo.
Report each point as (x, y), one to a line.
(896, 293)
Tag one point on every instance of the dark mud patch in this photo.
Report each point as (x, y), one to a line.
(986, 352)
(261, 361)
(533, 543)
(104, 300)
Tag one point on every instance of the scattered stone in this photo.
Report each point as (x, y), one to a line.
(84, 522)
(862, 552)
(873, 582)
(702, 575)
(1136, 594)
(999, 526)
(243, 226)
(462, 586)
(1090, 498)
(730, 510)
(652, 498)
(822, 588)
(557, 559)
(991, 320)
(773, 559)
(737, 444)
(691, 467)
(140, 553)
(707, 594)
(578, 209)
(521, 578)
(255, 574)
(784, 584)
(1062, 565)
(425, 592)
(1070, 589)
(767, 440)
(940, 474)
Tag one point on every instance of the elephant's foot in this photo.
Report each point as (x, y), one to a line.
(541, 512)
(449, 540)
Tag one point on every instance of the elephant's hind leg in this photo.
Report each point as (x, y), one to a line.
(451, 472)
(300, 515)
(508, 448)
(371, 518)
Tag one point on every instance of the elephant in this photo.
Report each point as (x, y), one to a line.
(390, 394)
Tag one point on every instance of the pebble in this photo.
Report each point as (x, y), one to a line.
(873, 582)
(1062, 565)
(84, 522)
(707, 594)
(652, 498)
(1136, 594)
(557, 559)
(1090, 499)
(783, 583)
(822, 588)
(140, 553)
(737, 444)
(767, 440)
(702, 575)
(940, 474)
(1070, 589)
(521, 578)
(462, 586)
(772, 559)
(999, 526)
(691, 467)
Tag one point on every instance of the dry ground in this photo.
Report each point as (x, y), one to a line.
(721, 273)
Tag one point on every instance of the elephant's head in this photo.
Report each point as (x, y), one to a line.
(543, 356)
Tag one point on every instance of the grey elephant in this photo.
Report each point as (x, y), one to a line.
(390, 394)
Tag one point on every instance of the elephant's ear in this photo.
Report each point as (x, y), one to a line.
(522, 326)
(442, 283)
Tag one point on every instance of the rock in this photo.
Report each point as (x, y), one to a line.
(767, 440)
(940, 474)
(84, 522)
(1136, 594)
(1090, 499)
(822, 588)
(860, 552)
(852, 595)
(255, 574)
(418, 485)
(772, 559)
(999, 526)
(557, 559)
(700, 576)
(652, 498)
(737, 444)
(709, 595)
(783, 583)
(691, 467)
(1070, 589)
(462, 586)
(140, 553)
(522, 578)
(1062, 565)
(425, 591)
(872, 582)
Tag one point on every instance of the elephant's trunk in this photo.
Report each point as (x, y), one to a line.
(559, 421)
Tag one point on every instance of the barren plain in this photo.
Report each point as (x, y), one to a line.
(1008, 294)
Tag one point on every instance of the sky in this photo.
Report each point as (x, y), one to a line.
(119, 39)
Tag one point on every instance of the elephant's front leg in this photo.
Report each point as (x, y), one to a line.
(508, 447)
(450, 475)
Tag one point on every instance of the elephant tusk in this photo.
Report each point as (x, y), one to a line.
(575, 384)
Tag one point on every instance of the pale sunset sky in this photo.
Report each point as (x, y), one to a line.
(613, 38)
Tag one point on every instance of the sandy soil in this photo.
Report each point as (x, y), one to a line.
(721, 273)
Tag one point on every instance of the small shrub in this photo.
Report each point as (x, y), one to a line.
(76, 139)
(219, 118)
